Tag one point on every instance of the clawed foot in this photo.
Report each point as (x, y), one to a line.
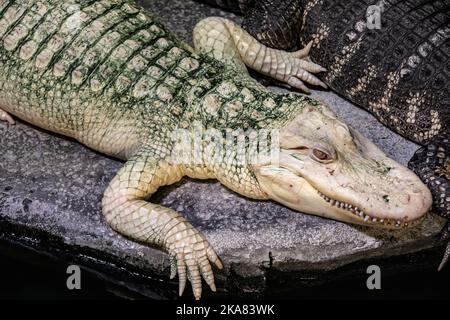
(191, 255)
(226, 41)
(296, 68)
(4, 116)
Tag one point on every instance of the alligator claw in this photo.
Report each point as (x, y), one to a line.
(4, 116)
(445, 258)
(303, 53)
(191, 259)
(447, 250)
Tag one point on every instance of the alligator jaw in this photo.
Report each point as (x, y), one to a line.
(366, 219)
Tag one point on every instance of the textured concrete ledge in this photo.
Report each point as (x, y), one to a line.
(51, 188)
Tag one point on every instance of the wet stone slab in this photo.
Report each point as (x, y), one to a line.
(51, 189)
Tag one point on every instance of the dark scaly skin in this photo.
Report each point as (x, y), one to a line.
(232, 5)
(273, 23)
(107, 74)
(400, 73)
(436, 174)
(285, 35)
(437, 171)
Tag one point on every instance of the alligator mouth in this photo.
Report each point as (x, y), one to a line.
(366, 218)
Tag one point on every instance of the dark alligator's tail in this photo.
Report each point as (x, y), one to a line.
(432, 164)
(275, 23)
(238, 6)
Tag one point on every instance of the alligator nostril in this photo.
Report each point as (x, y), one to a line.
(416, 190)
(405, 198)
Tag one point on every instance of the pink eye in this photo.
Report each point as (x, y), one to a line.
(321, 155)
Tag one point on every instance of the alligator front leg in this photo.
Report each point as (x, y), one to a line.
(432, 165)
(127, 211)
(226, 41)
(4, 116)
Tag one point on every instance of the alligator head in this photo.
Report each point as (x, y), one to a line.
(328, 169)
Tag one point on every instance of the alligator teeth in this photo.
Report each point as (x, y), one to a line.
(360, 213)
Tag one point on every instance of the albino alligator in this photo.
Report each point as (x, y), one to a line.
(391, 57)
(107, 74)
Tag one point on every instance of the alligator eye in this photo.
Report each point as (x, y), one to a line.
(321, 155)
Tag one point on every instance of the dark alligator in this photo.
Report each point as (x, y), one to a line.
(391, 57)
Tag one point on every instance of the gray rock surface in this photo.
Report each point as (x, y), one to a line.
(51, 188)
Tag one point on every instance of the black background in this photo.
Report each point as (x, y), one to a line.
(25, 274)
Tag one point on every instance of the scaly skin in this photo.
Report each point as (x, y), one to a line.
(107, 74)
(400, 73)
(275, 23)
